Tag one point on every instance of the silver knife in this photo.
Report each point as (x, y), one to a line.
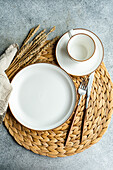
(89, 86)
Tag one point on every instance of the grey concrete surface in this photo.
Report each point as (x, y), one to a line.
(16, 18)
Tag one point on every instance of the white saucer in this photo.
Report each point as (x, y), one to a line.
(43, 96)
(74, 67)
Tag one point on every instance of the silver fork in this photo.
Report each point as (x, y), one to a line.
(82, 91)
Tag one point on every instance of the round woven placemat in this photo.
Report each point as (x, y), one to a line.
(51, 143)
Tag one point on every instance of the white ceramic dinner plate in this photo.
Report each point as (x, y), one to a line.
(74, 67)
(43, 96)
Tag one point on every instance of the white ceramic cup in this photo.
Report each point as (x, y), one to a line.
(80, 47)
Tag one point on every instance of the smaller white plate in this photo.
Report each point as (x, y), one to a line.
(43, 96)
(74, 67)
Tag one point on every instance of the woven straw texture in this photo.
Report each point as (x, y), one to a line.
(51, 143)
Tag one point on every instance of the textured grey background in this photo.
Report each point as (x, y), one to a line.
(16, 18)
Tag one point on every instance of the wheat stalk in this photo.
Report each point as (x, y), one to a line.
(31, 34)
(37, 36)
(32, 52)
(28, 37)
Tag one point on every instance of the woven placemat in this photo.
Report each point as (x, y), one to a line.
(51, 143)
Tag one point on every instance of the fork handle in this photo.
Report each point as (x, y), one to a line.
(83, 124)
(71, 126)
(79, 100)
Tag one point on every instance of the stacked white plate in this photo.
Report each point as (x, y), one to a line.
(43, 96)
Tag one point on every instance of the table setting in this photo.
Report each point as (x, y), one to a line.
(60, 94)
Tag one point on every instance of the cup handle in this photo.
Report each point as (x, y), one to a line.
(70, 33)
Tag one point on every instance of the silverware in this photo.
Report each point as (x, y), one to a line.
(87, 101)
(82, 91)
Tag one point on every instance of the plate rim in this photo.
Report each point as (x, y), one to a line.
(96, 67)
(76, 98)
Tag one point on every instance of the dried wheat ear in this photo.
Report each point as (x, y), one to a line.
(32, 48)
